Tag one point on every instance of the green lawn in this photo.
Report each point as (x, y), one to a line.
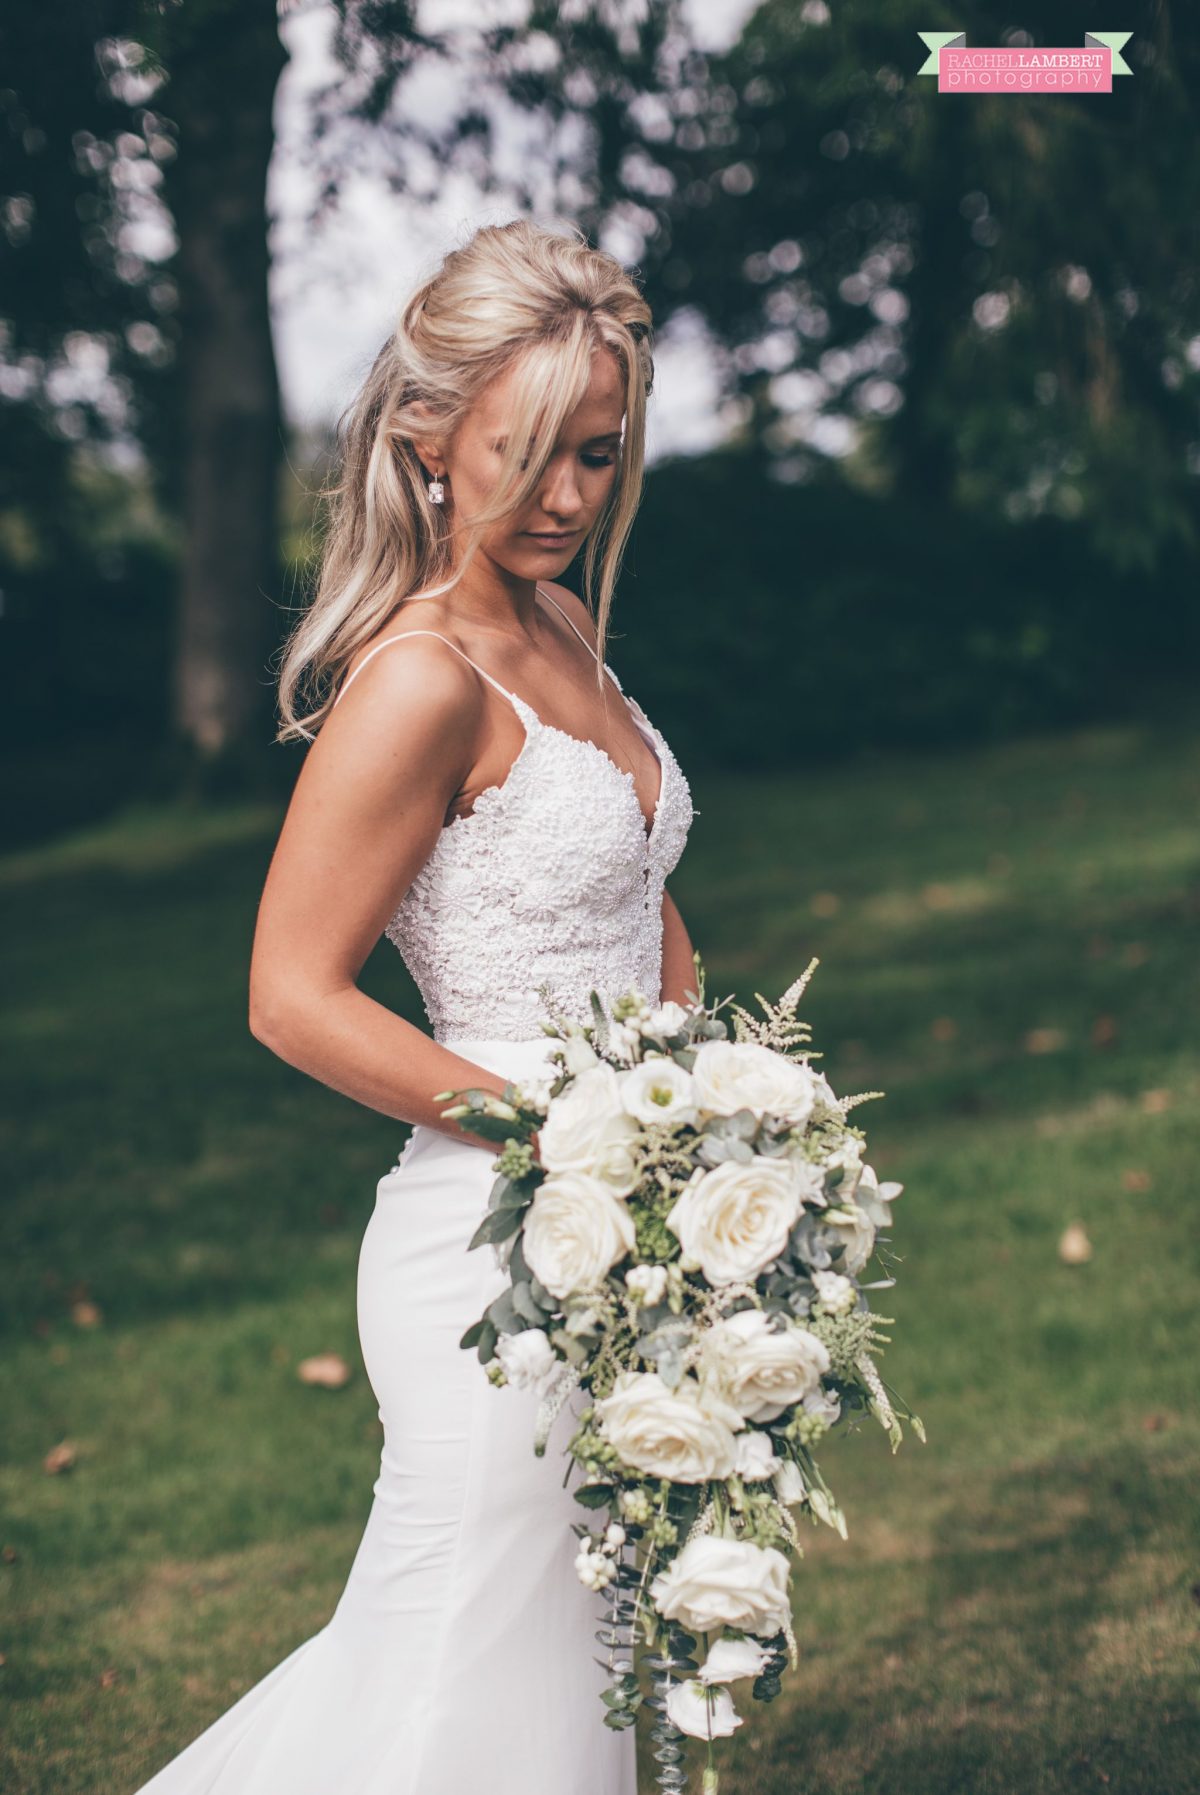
(1008, 945)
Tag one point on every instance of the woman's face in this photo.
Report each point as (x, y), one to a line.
(574, 488)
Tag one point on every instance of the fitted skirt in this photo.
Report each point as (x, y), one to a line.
(461, 1656)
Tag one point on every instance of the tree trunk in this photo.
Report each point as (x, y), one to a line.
(224, 67)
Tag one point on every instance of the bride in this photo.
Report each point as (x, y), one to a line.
(482, 792)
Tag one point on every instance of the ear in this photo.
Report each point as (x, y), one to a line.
(429, 449)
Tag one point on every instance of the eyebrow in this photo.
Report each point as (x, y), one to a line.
(610, 436)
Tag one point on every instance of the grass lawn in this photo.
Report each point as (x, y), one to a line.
(1008, 945)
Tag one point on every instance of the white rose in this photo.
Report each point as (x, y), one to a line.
(790, 1486)
(575, 1231)
(587, 1130)
(876, 1199)
(647, 1283)
(730, 1659)
(733, 1075)
(856, 1232)
(755, 1456)
(732, 1221)
(715, 1582)
(699, 1712)
(759, 1371)
(529, 1360)
(835, 1293)
(659, 1090)
(682, 1434)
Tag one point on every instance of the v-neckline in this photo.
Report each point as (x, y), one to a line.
(656, 746)
(643, 726)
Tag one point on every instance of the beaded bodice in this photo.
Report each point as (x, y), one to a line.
(553, 879)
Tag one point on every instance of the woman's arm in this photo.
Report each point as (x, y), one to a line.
(367, 809)
(678, 969)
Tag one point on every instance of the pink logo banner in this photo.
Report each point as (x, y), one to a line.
(1025, 68)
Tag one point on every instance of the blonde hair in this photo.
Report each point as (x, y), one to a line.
(515, 293)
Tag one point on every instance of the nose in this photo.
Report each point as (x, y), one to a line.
(561, 497)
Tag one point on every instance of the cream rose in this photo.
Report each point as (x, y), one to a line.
(716, 1582)
(684, 1434)
(659, 1090)
(733, 1075)
(759, 1371)
(575, 1231)
(588, 1130)
(732, 1221)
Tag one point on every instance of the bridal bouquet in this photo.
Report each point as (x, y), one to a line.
(685, 1220)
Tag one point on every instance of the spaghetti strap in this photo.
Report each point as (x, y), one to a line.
(388, 641)
(574, 626)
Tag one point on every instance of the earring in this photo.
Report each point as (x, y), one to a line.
(437, 493)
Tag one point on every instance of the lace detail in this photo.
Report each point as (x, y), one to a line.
(552, 879)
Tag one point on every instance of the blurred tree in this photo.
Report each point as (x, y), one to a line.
(1001, 294)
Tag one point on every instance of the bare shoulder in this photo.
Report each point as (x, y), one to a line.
(575, 608)
(407, 692)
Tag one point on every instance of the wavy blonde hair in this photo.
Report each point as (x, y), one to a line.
(516, 293)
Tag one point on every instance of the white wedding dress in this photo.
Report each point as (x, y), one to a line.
(461, 1656)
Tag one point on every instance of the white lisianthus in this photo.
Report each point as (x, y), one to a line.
(668, 1019)
(717, 1582)
(659, 1090)
(730, 1659)
(790, 1486)
(647, 1284)
(575, 1231)
(835, 1293)
(624, 1040)
(733, 1075)
(846, 1157)
(855, 1230)
(588, 1130)
(876, 1199)
(759, 1371)
(529, 1360)
(732, 1221)
(685, 1434)
(756, 1457)
(699, 1712)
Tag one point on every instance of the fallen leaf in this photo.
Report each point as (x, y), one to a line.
(1135, 954)
(86, 1314)
(327, 1369)
(1074, 1248)
(8, 1554)
(943, 1028)
(825, 903)
(1156, 1101)
(59, 1458)
(1133, 1178)
(108, 1677)
(1104, 1031)
(1044, 1040)
(1155, 1424)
